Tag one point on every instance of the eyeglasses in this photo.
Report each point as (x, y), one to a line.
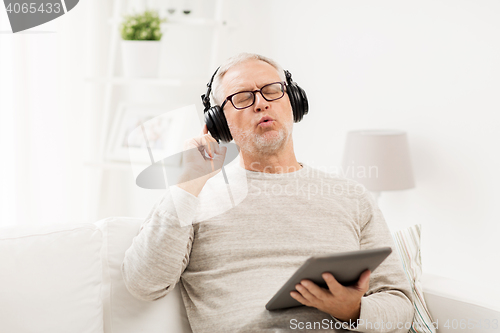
(244, 99)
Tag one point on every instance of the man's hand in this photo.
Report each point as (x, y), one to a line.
(344, 303)
(202, 159)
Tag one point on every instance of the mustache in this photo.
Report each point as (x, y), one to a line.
(256, 144)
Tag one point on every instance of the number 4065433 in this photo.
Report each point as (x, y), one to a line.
(471, 324)
(33, 8)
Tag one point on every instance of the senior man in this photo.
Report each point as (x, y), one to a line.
(230, 262)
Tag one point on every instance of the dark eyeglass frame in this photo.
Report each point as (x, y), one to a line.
(230, 97)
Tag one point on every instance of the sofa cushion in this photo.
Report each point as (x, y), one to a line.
(408, 245)
(51, 278)
(461, 306)
(123, 313)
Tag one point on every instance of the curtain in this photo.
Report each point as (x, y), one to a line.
(47, 115)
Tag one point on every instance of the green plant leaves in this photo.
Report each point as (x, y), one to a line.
(142, 26)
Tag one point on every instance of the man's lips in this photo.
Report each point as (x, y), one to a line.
(265, 121)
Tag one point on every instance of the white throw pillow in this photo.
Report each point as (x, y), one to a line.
(123, 313)
(408, 246)
(50, 279)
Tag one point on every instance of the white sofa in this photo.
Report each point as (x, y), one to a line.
(66, 278)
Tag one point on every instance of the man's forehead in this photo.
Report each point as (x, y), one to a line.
(250, 72)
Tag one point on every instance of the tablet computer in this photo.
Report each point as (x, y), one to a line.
(346, 267)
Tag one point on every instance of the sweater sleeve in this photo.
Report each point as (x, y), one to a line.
(387, 305)
(160, 252)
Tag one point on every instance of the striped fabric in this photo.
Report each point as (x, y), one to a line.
(408, 244)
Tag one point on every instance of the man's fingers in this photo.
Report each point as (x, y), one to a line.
(314, 289)
(219, 158)
(332, 283)
(209, 148)
(199, 141)
(364, 280)
(299, 298)
(204, 130)
(304, 292)
(209, 144)
(214, 145)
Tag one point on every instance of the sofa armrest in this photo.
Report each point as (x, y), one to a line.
(458, 306)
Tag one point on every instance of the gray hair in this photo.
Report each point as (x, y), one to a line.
(217, 93)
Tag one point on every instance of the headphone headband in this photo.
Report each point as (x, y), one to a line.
(205, 98)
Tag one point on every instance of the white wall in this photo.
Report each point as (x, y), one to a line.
(430, 68)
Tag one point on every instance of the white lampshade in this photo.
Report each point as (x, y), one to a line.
(378, 159)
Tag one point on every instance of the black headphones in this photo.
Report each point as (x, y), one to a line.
(216, 120)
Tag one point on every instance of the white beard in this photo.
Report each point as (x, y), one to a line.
(261, 144)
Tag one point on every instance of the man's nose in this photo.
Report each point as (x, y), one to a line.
(260, 102)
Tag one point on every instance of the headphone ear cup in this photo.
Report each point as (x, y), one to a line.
(225, 133)
(298, 101)
(292, 95)
(211, 124)
(217, 124)
(303, 103)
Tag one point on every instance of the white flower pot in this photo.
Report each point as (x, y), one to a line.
(141, 58)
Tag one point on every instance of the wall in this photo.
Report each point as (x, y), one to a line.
(430, 68)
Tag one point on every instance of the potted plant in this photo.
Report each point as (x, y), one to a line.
(141, 37)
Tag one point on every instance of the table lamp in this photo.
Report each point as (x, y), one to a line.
(378, 159)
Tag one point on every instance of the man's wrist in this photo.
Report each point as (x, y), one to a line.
(193, 186)
(353, 317)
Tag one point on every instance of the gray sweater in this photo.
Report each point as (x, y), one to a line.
(232, 247)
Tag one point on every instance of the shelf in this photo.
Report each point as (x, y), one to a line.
(108, 165)
(188, 21)
(114, 165)
(119, 80)
(117, 165)
(175, 24)
(193, 21)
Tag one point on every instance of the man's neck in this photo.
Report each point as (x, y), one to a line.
(282, 161)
